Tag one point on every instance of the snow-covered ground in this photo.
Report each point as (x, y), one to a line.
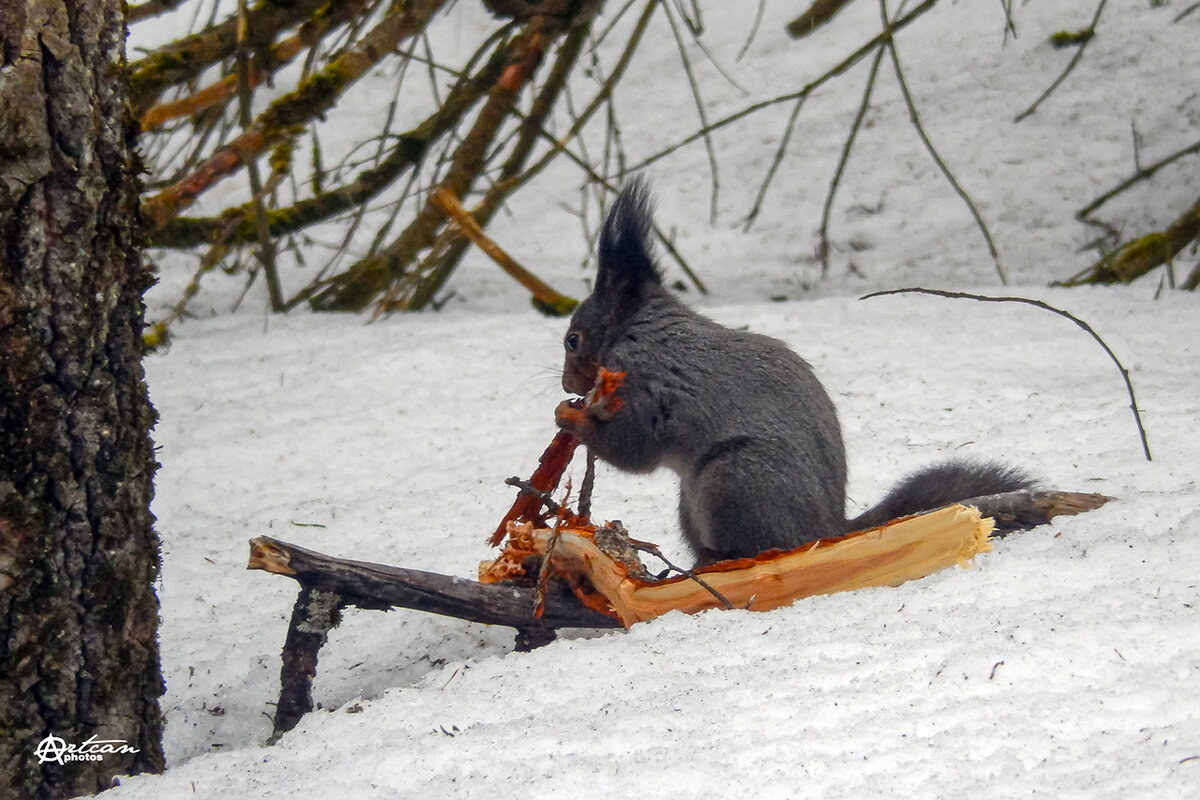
(1064, 664)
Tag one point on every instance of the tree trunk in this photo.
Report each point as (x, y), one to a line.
(79, 670)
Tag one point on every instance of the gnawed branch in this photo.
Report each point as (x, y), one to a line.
(605, 574)
(610, 587)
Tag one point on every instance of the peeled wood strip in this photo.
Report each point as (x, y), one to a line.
(887, 556)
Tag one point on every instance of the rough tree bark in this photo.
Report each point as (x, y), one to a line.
(78, 552)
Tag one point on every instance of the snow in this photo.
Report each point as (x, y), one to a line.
(1063, 664)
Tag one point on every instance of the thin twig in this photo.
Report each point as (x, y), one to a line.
(1045, 306)
(780, 151)
(1091, 29)
(1193, 279)
(589, 483)
(709, 148)
(653, 549)
(840, 68)
(1141, 175)
(890, 43)
(758, 16)
(526, 487)
(543, 579)
(1010, 25)
(843, 160)
(614, 19)
(266, 245)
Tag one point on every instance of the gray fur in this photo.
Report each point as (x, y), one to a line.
(741, 418)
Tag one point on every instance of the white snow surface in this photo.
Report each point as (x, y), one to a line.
(1063, 664)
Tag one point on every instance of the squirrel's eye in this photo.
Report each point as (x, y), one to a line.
(572, 341)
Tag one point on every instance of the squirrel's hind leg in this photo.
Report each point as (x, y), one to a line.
(737, 502)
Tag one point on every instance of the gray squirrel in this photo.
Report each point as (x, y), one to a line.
(742, 419)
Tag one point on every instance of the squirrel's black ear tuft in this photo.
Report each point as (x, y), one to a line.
(626, 262)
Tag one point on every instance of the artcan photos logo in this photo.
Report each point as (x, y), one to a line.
(56, 749)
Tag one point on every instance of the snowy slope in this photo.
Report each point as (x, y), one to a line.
(1063, 665)
(397, 451)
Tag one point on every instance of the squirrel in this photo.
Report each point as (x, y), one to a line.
(742, 419)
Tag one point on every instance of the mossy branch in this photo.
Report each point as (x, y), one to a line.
(363, 282)
(314, 96)
(819, 13)
(410, 147)
(265, 63)
(183, 60)
(1138, 257)
(150, 8)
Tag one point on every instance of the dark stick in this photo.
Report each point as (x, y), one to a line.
(820, 12)
(315, 614)
(381, 587)
(1046, 307)
(1022, 510)
(780, 152)
(589, 482)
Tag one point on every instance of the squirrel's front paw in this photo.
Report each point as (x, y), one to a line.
(572, 417)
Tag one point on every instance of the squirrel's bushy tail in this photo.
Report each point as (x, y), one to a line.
(941, 485)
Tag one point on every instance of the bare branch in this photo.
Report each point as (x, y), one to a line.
(1140, 175)
(266, 245)
(267, 62)
(700, 112)
(184, 60)
(406, 151)
(843, 160)
(1046, 307)
(1090, 31)
(842, 66)
(890, 43)
(314, 96)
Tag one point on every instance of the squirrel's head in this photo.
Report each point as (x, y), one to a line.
(625, 273)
